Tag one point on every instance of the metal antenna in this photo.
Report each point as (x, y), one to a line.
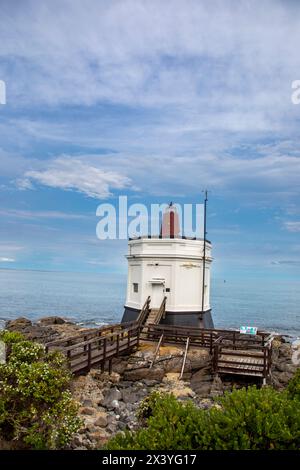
(204, 247)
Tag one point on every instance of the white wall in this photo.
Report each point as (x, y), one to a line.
(177, 262)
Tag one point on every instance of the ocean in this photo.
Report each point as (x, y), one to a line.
(96, 299)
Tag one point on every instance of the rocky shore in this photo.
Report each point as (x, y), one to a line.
(108, 403)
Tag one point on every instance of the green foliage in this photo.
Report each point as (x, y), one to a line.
(243, 419)
(293, 388)
(11, 337)
(36, 406)
(26, 352)
(148, 405)
(170, 426)
(254, 419)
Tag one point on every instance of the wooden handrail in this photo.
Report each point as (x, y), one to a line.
(269, 340)
(184, 358)
(100, 349)
(96, 339)
(142, 317)
(161, 311)
(95, 333)
(156, 351)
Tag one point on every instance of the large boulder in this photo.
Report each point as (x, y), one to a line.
(32, 331)
(217, 386)
(46, 329)
(87, 410)
(133, 396)
(144, 373)
(101, 420)
(53, 320)
(111, 398)
(201, 382)
(199, 358)
(203, 389)
(285, 351)
(19, 324)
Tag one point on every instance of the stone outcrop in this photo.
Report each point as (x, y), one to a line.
(45, 329)
(285, 361)
(52, 321)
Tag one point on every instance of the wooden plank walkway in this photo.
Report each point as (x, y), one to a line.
(248, 358)
(235, 362)
(99, 349)
(231, 352)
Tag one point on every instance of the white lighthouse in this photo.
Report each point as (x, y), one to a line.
(170, 267)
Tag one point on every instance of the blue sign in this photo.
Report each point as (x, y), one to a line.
(248, 330)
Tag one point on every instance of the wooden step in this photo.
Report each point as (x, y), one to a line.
(152, 316)
(224, 370)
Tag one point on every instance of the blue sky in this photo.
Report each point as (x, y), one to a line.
(158, 101)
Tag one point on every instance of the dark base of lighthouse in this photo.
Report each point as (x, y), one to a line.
(195, 319)
(130, 314)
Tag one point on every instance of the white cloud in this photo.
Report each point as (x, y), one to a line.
(292, 226)
(74, 174)
(10, 247)
(28, 214)
(269, 174)
(232, 60)
(6, 260)
(199, 79)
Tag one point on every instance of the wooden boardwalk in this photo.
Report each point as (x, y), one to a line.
(237, 354)
(231, 352)
(84, 352)
(234, 362)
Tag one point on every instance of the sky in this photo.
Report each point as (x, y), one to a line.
(157, 101)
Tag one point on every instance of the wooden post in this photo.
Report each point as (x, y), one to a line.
(215, 361)
(89, 355)
(184, 358)
(69, 356)
(270, 358)
(110, 366)
(129, 334)
(118, 344)
(104, 349)
(265, 366)
(156, 350)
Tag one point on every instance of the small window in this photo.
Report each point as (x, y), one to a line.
(135, 287)
(167, 289)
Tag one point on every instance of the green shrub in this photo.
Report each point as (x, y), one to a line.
(293, 388)
(36, 407)
(170, 425)
(244, 419)
(11, 337)
(254, 419)
(148, 405)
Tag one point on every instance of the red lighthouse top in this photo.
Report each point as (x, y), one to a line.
(170, 227)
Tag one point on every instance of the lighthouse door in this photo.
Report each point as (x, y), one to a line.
(157, 295)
